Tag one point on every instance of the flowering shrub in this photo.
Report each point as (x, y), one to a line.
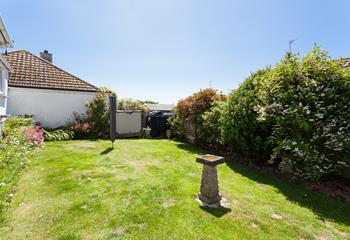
(79, 124)
(95, 123)
(20, 138)
(35, 136)
(97, 114)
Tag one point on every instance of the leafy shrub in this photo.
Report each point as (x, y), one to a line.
(193, 106)
(209, 127)
(15, 149)
(79, 124)
(34, 136)
(188, 120)
(16, 123)
(308, 103)
(241, 130)
(177, 127)
(98, 113)
(130, 104)
(59, 135)
(95, 123)
(297, 112)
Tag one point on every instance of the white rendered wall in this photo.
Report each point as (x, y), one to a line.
(52, 108)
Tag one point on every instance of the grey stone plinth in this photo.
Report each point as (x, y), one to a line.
(209, 191)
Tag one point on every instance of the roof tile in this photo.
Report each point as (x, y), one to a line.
(34, 72)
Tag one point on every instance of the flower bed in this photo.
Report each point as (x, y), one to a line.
(21, 137)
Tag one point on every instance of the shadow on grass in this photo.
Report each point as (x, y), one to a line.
(323, 206)
(217, 212)
(191, 148)
(106, 151)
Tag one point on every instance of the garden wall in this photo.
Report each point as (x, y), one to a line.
(190, 132)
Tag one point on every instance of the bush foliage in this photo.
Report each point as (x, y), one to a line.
(59, 135)
(177, 127)
(202, 112)
(297, 112)
(241, 130)
(16, 123)
(20, 138)
(209, 127)
(95, 123)
(193, 106)
(130, 104)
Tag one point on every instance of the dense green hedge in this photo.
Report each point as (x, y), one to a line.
(209, 125)
(296, 115)
(241, 130)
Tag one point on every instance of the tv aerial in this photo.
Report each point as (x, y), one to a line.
(290, 43)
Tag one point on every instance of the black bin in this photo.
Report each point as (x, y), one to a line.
(158, 122)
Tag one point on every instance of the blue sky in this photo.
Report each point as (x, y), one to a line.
(165, 50)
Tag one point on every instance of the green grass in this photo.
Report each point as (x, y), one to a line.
(145, 189)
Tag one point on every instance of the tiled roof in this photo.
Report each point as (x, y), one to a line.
(346, 61)
(160, 107)
(34, 72)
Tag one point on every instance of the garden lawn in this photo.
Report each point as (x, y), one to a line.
(146, 189)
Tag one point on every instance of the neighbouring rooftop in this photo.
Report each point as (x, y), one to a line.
(31, 71)
(160, 107)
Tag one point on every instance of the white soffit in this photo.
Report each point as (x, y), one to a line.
(5, 41)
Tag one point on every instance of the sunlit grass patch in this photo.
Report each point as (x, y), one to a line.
(146, 189)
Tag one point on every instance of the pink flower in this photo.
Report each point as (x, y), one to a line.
(35, 135)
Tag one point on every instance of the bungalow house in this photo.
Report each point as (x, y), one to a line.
(43, 91)
(5, 69)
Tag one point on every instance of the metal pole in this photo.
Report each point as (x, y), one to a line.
(112, 113)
